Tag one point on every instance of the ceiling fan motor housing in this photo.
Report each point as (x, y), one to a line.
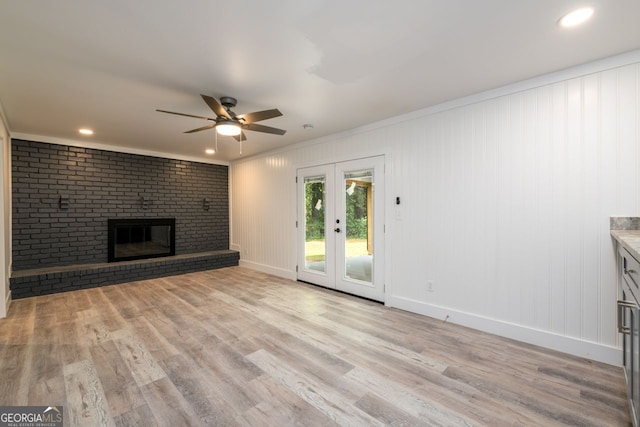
(228, 101)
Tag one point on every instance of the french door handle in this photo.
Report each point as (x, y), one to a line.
(337, 230)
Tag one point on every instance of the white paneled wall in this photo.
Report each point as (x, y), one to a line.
(505, 207)
(5, 214)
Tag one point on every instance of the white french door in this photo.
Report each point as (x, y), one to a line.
(341, 226)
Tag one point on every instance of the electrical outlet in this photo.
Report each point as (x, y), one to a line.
(430, 287)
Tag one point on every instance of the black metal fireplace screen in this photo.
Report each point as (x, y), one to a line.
(131, 239)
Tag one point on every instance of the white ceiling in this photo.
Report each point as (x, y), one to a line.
(108, 65)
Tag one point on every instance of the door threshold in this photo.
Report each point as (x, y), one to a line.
(340, 292)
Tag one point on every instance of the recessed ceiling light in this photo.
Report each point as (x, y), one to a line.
(210, 151)
(576, 17)
(85, 131)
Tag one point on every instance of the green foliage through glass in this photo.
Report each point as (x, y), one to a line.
(314, 210)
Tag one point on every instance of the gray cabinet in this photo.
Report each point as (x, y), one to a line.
(629, 325)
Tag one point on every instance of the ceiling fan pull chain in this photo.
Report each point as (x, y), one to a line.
(241, 144)
(216, 133)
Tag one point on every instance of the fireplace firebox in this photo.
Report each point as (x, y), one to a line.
(133, 238)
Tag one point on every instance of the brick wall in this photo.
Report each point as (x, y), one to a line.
(104, 184)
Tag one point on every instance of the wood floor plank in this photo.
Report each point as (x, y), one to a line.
(18, 327)
(107, 312)
(294, 325)
(93, 331)
(45, 357)
(390, 414)
(16, 351)
(12, 367)
(120, 388)
(326, 401)
(140, 416)
(226, 377)
(223, 376)
(143, 366)
(156, 343)
(371, 341)
(168, 406)
(126, 307)
(185, 378)
(86, 403)
(23, 383)
(282, 406)
(72, 346)
(402, 398)
(240, 347)
(435, 388)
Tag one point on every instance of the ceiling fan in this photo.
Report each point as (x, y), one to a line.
(231, 124)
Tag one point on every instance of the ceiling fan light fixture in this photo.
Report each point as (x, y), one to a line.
(228, 128)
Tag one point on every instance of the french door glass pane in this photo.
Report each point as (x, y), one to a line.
(315, 247)
(358, 187)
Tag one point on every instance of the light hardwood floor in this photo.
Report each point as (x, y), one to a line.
(239, 347)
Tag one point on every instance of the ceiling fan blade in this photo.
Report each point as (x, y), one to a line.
(258, 116)
(241, 137)
(216, 107)
(187, 115)
(266, 129)
(202, 128)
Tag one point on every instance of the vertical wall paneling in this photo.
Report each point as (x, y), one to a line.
(505, 270)
(4, 270)
(636, 121)
(5, 212)
(627, 117)
(590, 220)
(575, 208)
(559, 212)
(492, 207)
(505, 207)
(608, 189)
(543, 177)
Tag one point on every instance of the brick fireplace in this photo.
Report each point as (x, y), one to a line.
(63, 197)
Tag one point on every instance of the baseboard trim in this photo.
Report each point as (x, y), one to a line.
(7, 303)
(280, 272)
(573, 346)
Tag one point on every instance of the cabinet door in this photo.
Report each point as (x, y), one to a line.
(631, 350)
(627, 344)
(634, 322)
